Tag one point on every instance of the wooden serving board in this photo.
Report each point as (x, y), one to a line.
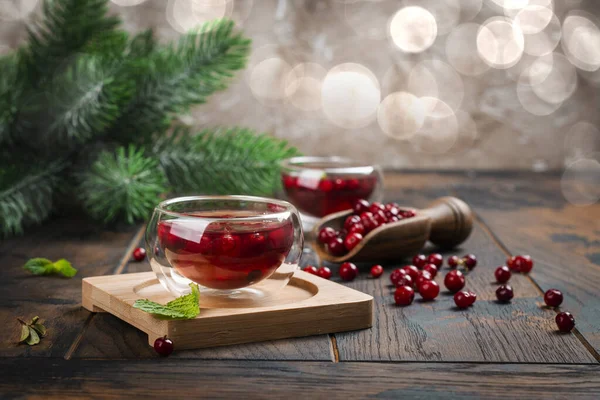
(308, 305)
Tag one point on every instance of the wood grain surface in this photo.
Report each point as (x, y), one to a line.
(170, 378)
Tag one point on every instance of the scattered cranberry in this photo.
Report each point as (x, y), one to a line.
(139, 254)
(360, 206)
(351, 220)
(376, 271)
(326, 234)
(423, 276)
(464, 299)
(502, 274)
(565, 321)
(324, 272)
(419, 260)
(310, 269)
(510, 263)
(348, 271)
(431, 268)
(412, 271)
(504, 293)
(429, 290)
(369, 223)
(470, 261)
(404, 295)
(405, 280)
(396, 275)
(454, 261)
(435, 259)
(352, 240)
(376, 206)
(336, 247)
(553, 298)
(523, 264)
(454, 281)
(380, 217)
(163, 346)
(357, 228)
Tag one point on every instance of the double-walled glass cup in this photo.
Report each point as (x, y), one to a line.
(233, 247)
(319, 186)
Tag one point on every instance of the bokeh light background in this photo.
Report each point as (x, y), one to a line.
(456, 84)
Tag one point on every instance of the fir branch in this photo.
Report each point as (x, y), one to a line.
(26, 195)
(66, 27)
(126, 184)
(178, 77)
(9, 92)
(232, 161)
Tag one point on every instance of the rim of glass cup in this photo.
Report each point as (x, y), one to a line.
(288, 207)
(301, 163)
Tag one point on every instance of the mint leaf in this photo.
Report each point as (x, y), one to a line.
(32, 332)
(33, 337)
(184, 307)
(24, 333)
(43, 266)
(40, 329)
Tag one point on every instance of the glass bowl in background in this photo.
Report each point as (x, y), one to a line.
(319, 186)
(234, 247)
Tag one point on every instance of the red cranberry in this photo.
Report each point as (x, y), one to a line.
(510, 263)
(565, 321)
(360, 206)
(369, 224)
(435, 259)
(523, 263)
(341, 233)
(502, 274)
(404, 295)
(504, 293)
(392, 209)
(227, 243)
(405, 280)
(357, 228)
(454, 281)
(376, 206)
(470, 261)
(348, 271)
(365, 215)
(407, 213)
(163, 346)
(553, 298)
(351, 220)
(326, 234)
(396, 275)
(454, 261)
(380, 217)
(139, 254)
(429, 290)
(473, 296)
(423, 276)
(310, 269)
(419, 260)
(336, 247)
(257, 240)
(352, 240)
(393, 218)
(463, 299)
(324, 272)
(290, 182)
(412, 271)
(376, 271)
(339, 184)
(325, 185)
(432, 269)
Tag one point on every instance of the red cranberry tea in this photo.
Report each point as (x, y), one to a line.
(225, 255)
(326, 195)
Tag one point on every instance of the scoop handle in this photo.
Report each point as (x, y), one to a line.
(452, 221)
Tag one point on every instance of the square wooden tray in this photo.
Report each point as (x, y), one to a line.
(308, 305)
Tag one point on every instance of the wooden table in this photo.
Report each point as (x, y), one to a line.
(428, 349)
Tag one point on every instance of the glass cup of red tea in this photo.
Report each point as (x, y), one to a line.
(319, 186)
(237, 247)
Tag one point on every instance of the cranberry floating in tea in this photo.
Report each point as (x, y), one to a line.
(319, 186)
(225, 244)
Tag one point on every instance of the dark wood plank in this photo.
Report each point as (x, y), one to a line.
(564, 240)
(91, 249)
(107, 337)
(49, 379)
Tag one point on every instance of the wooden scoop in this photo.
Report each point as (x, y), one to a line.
(447, 222)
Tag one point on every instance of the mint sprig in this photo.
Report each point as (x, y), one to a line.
(43, 266)
(32, 331)
(184, 307)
